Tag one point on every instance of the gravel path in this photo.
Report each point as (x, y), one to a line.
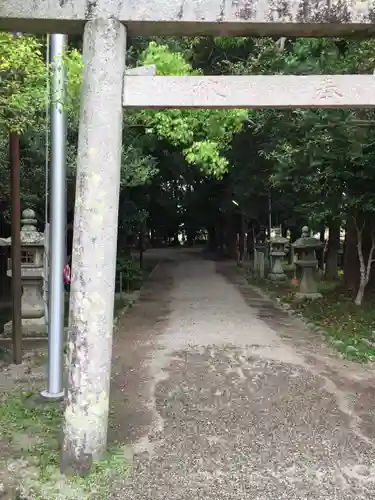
(223, 396)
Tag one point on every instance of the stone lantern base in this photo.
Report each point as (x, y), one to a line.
(30, 328)
(277, 276)
(277, 272)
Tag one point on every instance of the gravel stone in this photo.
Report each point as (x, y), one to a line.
(223, 395)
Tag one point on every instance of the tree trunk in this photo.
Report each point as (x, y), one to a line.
(331, 270)
(362, 270)
(351, 263)
(230, 241)
(320, 253)
(212, 240)
(230, 231)
(241, 240)
(141, 244)
(220, 240)
(230, 235)
(361, 292)
(364, 267)
(295, 233)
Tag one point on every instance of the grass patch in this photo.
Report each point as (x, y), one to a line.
(349, 328)
(23, 421)
(29, 439)
(120, 304)
(29, 432)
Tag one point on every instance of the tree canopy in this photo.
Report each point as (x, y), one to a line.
(194, 170)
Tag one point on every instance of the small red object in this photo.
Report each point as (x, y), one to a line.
(67, 274)
(294, 281)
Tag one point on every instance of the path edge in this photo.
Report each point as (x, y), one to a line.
(134, 299)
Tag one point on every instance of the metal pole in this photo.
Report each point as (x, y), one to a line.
(269, 227)
(57, 227)
(14, 153)
(46, 215)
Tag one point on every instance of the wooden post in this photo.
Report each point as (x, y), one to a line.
(15, 166)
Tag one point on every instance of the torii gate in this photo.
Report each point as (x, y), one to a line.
(105, 24)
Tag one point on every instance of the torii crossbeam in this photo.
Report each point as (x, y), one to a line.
(195, 17)
(105, 24)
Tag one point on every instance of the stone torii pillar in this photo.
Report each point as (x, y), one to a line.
(94, 251)
(95, 241)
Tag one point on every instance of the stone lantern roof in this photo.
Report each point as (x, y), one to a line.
(306, 241)
(279, 239)
(30, 236)
(29, 233)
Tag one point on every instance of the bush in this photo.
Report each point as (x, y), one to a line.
(131, 274)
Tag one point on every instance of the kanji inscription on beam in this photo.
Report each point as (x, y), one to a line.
(278, 91)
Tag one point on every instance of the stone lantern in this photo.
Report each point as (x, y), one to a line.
(307, 262)
(277, 253)
(32, 254)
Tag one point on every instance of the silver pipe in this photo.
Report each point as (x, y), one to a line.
(58, 218)
(48, 61)
(46, 190)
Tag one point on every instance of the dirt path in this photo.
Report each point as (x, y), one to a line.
(224, 396)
